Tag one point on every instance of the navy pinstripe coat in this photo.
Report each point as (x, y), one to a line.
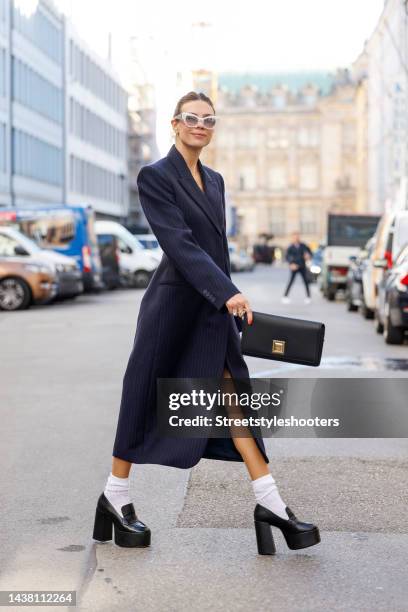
(183, 328)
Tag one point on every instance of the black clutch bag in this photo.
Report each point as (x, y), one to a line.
(283, 339)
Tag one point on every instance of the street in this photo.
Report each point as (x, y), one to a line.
(61, 376)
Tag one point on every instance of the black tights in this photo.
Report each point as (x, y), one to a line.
(302, 272)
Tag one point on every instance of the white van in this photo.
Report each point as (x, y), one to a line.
(136, 264)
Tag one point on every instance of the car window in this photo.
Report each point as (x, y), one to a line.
(403, 256)
(122, 245)
(390, 239)
(7, 245)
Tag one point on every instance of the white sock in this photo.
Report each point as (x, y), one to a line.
(117, 492)
(267, 495)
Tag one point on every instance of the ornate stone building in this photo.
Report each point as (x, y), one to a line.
(287, 151)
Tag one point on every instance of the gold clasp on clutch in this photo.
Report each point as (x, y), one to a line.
(278, 346)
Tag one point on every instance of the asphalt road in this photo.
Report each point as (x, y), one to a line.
(61, 375)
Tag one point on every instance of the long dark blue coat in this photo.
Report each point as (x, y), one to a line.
(183, 328)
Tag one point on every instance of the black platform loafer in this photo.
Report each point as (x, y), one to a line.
(296, 533)
(129, 530)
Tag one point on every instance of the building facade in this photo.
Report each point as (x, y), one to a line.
(63, 116)
(386, 54)
(287, 150)
(31, 106)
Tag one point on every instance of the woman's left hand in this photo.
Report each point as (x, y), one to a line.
(238, 305)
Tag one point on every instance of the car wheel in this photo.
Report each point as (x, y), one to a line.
(141, 279)
(15, 294)
(367, 312)
(350, 306)
(331, 295)
(392, 335)
(379, 327)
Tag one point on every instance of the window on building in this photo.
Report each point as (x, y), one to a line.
(247, 178)
(42, 30)
(36, 159)
(3, 10)
(2, 147)
(277, 177)
(308, 176)
(308, 220)
(35, 92)
(279, 100)
(277, 220)
(277, 137)
(2, 71)
(308, 136)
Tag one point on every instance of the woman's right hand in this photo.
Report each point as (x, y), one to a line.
(237, 305)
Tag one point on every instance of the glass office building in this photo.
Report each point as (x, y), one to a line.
(63, 116)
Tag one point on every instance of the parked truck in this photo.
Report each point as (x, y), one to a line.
(346, 235)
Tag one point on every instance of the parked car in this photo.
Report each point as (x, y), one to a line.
(24, 279)
(390, 237)
(239, 259)
(137, 265)
(110, 258)
(68, 230)
(346, 235)
(247, 261)
(392, 305)
(354, 285)
(67, 272)
(263, 253)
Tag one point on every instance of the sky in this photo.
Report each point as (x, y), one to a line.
(238, 35)
(256, 35)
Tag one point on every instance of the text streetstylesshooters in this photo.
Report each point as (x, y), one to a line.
(222, 421)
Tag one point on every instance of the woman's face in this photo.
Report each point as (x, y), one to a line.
(198, 136)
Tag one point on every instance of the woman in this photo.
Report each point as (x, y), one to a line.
(188, 326)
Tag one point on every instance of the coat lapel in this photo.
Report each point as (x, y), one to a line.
(209, 202)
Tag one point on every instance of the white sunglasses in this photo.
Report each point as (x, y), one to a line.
(192, 120)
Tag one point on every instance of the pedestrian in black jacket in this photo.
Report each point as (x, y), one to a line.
(296, 255)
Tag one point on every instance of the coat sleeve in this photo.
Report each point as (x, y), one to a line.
(177, 241)
(238, 320)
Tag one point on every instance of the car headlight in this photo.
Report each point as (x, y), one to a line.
(38, 268)
(62, 267)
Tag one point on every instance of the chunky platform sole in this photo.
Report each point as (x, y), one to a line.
(295, 541)
(103, 532)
